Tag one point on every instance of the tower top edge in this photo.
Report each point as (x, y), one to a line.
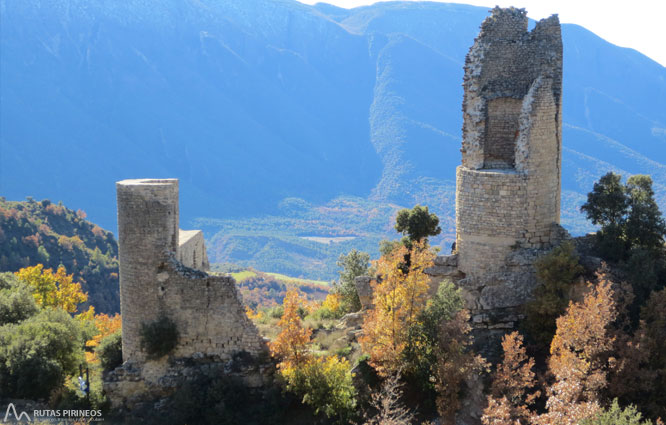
(148, 182)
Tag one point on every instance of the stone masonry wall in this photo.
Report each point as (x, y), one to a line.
(490, 206)
(207, 311)
(544, 159)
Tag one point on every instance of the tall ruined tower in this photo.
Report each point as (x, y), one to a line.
(508, 186)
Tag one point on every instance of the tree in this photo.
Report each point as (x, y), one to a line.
(615, 415)
(291, 344)
(354, 264)
(390, 410)
(581, 356)
(16, 300)
(628, 215)
(645, 227)
(53, 289)
(643, 381)
(420, 362)
(105, 326)
(399, 299)
(607, 204)
(110, 351)
(37, 354)
(325, 383)
(416, 224)
(512, 390)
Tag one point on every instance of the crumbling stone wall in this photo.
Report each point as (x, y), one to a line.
(206, 309)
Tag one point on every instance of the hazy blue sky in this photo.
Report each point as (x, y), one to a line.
(639, 24)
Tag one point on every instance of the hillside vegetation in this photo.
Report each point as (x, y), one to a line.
(264, 290)
(51, 234)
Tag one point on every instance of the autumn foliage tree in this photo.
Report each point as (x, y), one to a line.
(291, 344)
(640, 375)
(581, 357)
(513, 388)
(399, 299)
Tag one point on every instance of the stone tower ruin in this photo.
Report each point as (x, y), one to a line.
(508, 186)
(162, 274)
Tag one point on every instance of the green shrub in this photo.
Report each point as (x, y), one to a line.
(275, 312)
(556, 272)
(323, 313)
(110, 351)
(420, 356)
(16, 300)
(354, 264)
(325, 384)
(615, 415)
(37, 354)
(159, 337)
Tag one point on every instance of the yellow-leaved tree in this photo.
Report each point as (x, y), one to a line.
(399, 299)
(291, 345)
(53, 289)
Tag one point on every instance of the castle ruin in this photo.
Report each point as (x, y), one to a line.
(162, 274)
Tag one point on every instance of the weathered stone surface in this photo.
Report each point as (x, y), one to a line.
(364, 290)
(447, 260)
(131, 385)
(351, 320)
(441, 270)
(192, 249)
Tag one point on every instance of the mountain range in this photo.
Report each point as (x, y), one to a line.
(286, 123)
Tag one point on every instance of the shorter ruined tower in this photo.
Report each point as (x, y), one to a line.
(162, 274)
(508, 186)
(147, 236)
